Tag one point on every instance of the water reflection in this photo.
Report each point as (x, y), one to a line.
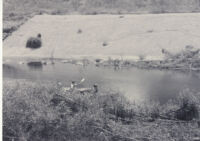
(134, 83)
(36, 65)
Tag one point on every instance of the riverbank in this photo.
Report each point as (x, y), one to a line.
(104, 35)
(36, 110)
(186, 60)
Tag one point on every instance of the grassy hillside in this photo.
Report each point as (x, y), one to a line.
(104, 6)
(16, 12)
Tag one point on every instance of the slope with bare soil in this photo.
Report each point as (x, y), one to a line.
(105, 35)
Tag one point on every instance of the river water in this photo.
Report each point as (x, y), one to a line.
(135, 84)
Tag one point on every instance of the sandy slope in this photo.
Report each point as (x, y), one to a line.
(129, 36)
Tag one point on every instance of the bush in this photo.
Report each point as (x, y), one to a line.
(12, 14)
(9, 30)
(34, 42)
(79, 31)
(35, 65)
(142, 57)
(104, 44)
(184, 107)
(188, 104)
(56, 12)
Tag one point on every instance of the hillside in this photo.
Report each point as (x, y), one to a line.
(17, 12)
(102, 6)
(105, 35)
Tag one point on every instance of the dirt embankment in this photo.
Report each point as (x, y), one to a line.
(105, 35)
(17, 12)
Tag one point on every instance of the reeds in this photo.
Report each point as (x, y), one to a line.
(43, 111)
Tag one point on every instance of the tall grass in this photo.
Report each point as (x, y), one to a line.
(103, 6)
(44, 111)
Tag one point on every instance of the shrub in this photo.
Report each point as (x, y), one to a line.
(12, 14)
(97, 60)
(34, 42)
(35, 65)
(79, 31)
(104, 44)
(188, 108)
(56, 12)
(126, 63)
(9, 30)
(142, 57)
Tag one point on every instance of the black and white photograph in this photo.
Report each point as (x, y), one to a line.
(100, 70)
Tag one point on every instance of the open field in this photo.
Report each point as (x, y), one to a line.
(103, 36)
(45, 111)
